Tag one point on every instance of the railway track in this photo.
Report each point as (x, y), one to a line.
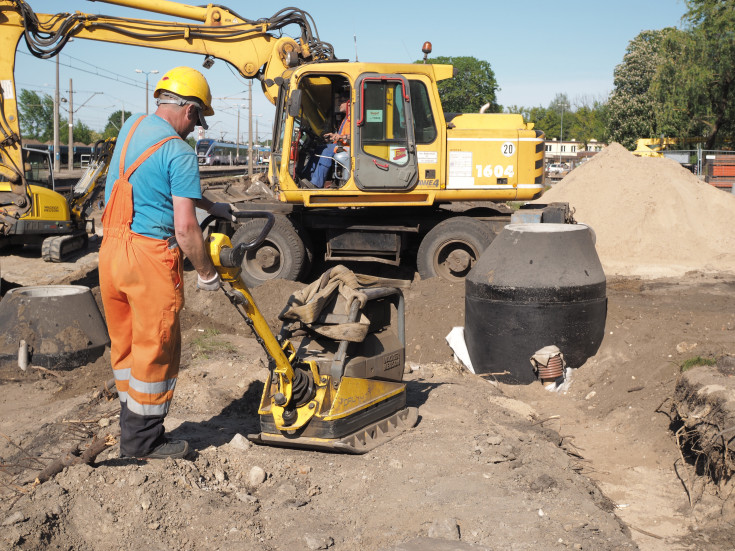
(209, 172)
(65, 181)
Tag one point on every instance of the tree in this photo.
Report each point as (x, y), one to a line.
(584, 118)
(632, 109)
(473, 85)
(37, 120)
(36, 114)
(114, 123)
(550, 119)
(82, 133)
(589, 121)
(695, 84)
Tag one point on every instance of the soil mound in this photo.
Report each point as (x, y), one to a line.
(433, 308)
(652, 217)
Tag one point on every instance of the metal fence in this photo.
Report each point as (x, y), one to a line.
(716, 167)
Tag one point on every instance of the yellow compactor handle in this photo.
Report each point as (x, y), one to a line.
(227, 260)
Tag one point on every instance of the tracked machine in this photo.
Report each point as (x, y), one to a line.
(33, 214)
(340, 388)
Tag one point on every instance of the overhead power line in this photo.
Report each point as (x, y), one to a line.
(98, 71)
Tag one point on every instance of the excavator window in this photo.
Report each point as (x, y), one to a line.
(279, 130)
(37, 167)
(319, 102)
(319, 115)
(383, 120)
(423, 118)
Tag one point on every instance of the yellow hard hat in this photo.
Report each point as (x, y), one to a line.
(186, 82)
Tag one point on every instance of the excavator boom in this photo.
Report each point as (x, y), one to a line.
(254, 48)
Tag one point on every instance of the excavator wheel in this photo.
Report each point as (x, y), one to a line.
(452, 247)
(282, 255)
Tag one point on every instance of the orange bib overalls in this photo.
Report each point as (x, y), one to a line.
(141, 286)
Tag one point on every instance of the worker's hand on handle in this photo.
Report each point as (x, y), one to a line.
(212, 284)
(222, 210)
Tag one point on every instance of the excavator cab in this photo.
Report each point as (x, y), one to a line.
(381, 154)
(38, 167)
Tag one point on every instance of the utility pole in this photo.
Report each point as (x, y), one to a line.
(561, 144)
(250, 129)
(71, 127)
(57, 146)
(146, 73)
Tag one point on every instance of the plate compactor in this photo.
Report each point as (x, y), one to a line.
(340, 388)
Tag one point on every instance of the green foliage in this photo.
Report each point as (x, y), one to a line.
(473, 85)
(590, 122)
(679, 82)
(82, 133)
(632, 110)
(36, 115)
(584, 120)
(696, 361)
(114, 123)
(695, 84)
(557, 119)
(671, 82)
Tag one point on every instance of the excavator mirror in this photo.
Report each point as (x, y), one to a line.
(294, 103)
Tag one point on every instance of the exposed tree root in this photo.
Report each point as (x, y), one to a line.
(75, 457)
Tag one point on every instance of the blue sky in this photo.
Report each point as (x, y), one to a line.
(536, 48)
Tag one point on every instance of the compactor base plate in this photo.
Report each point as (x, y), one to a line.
(358, 442)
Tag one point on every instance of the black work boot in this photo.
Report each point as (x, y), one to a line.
(175, 449)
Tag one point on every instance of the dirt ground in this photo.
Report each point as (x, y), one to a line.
(489, 466)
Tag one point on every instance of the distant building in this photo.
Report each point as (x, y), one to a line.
(570, 152)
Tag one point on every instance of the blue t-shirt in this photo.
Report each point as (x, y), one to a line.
(172, 170)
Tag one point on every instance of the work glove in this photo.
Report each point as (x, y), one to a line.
(222, 210)
(209, 284)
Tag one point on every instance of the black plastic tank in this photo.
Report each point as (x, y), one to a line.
(536, 285)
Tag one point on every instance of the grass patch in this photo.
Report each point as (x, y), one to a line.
(694, 362)
(207, 343)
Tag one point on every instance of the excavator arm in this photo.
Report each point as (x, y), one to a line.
(256, 48)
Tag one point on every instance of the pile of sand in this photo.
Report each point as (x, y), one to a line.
(652, 217)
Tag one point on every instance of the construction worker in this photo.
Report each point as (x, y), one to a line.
(151, 193)
(320, 164)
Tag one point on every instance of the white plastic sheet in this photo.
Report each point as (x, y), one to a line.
(455, 338)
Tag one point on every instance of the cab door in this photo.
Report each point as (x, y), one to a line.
(384, 147)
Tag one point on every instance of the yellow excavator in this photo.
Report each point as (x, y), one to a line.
(413, 180)
(653, 147)
(34, 213)
(415, 183)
